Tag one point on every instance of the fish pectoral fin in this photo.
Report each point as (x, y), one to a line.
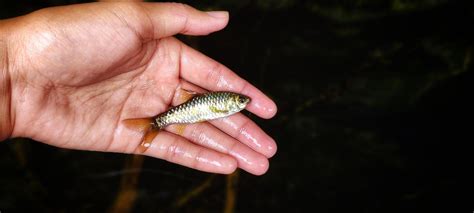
(216, 110)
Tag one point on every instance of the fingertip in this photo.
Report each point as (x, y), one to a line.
(261, 167)
(271, 110)
(218, 21)
(169, 19)
(264, 108)
(219, 14)
(216, 163)
(260, 103)
(228, 165)
(271, 149)
(249, 160)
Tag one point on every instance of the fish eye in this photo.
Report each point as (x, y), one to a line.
(242, 100)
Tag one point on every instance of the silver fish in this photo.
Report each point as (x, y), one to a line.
(204, 107)
(200, 108)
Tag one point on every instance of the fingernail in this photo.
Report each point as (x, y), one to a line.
(218, 14)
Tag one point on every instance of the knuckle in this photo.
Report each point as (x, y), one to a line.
(195, 161)
(244, 86)
(171, 152)
(180, 9)
(232, 147)
(214, 73)
(244, 126)
(196, 133)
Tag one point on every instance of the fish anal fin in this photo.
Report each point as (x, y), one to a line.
(179, 128)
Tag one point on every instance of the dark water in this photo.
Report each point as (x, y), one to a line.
(374, 116)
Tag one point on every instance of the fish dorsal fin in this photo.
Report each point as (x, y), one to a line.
(186, 95)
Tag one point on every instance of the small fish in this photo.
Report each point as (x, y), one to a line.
(200, 108)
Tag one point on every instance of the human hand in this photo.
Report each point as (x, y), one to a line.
(78, 71)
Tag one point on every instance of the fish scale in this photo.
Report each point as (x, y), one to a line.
(203, 107)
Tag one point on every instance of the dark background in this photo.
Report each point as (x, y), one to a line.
(374, 116)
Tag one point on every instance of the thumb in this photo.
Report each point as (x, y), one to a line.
(168, 19)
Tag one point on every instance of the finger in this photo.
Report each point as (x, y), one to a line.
(160, 20)
(168, 19)
(238, 126)
(211, 75)
(208, 136)
(178, 150)
(246, 131)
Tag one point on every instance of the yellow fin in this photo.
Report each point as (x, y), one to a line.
(139, 124)
(179, 128)
(214, 109)
(185, 95)
(147, 140)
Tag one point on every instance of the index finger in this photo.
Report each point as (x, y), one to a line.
(210, 74)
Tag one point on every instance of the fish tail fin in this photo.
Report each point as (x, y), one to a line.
(147, 140)
(139, 124)
(146, 126)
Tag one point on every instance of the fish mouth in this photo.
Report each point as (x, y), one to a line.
(248, 99)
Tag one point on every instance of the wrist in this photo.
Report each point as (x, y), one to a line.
(6, 124)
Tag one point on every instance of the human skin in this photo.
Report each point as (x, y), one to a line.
(70, 75)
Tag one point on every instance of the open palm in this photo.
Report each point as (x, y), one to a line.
(80, 70)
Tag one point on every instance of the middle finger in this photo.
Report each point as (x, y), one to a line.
(209, 136)
(237, 126)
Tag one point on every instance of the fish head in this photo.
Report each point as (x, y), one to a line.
(238, 102)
